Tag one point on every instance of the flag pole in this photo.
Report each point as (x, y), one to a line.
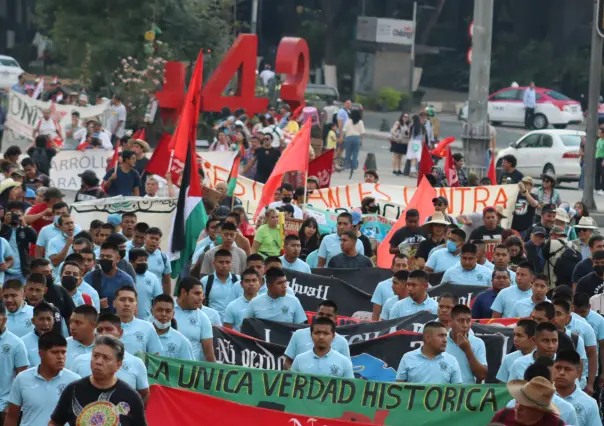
(170, 162)
(306, 174)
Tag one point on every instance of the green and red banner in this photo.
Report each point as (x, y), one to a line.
(165, 408)
(355, 400)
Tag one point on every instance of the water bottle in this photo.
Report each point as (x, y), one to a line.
(508, 180)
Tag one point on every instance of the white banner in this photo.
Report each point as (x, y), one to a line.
(25, 112)
(391, 198)
(157, 212)
(66, 165)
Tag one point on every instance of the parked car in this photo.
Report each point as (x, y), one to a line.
(9, 71)
(551, 150)
(506, 106)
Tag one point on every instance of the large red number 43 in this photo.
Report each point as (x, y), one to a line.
(292, 60)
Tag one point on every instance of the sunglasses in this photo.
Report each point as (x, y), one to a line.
(437, 204)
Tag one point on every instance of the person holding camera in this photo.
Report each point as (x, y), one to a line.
(19, 237)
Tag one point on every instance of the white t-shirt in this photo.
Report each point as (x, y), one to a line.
(48, 128)
(266, 75)
(351, 129)
(104, 136)
(117, 113)
(274, 132)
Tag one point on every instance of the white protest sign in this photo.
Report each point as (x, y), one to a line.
(391, 198)
(66, 165)
(157, 212)
(24, 113)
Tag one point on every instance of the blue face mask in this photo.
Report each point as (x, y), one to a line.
(451, 246)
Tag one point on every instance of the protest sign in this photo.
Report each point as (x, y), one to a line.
(24, 113)
(157, 212)
(67, 165)
(322, 168)
(165, 408)
(392, 199)
(365, 279)
(329, 397)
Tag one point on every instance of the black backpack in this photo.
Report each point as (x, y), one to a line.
(209, 283)
(40, 157)
(565, 265)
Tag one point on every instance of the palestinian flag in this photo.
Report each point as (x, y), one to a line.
(232, 179)
(190, 218)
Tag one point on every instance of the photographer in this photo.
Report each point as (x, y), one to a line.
(19, 237)
(93, 136)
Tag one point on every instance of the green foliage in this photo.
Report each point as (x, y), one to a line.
(386, 99)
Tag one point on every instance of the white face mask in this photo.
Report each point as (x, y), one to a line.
(161, 326)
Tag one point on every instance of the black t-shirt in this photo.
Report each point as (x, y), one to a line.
(366, 245)
(582, 269)
(426, 246)
(482, 233)
(515, 176)
(405, 235)
(42, 157)
(89, 194)
(524, 214)
(343, 261)
(590, 284)
(265, 162)
(565, 342)
(81, 402)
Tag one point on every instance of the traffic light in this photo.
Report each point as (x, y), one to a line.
(600, 18)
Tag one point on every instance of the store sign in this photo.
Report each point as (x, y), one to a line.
(382, 30)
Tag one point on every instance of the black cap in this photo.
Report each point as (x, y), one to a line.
(221, 212)
(440, 200)
(53, 193)
(549, 208)
(89, 177)
(538, 230)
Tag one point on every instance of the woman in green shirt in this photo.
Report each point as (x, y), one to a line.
(268, 241)
(600, 161)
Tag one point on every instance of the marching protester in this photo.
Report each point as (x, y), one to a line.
(82, 326)
(384, 290)
(399, 288)
(524, 344)
(173, 343)
(468, 350)
(418, 300)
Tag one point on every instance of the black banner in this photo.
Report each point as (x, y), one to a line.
(375, 359)
(365, 279)
(465, 293)
(312, 289)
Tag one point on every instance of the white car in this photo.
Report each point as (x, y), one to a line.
(506, 106)
(9, 72)
(540, 151)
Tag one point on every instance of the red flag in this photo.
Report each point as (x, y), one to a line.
(441, 149)
(492, 172)
(322, 168)
(115, 158)
(165, 408)
(140, 135)
(159, 161)
(186, 130)
(293, 159)
(450, 170)
(425, 165)
(422, 201)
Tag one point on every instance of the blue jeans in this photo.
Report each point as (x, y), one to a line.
(582, 178)
(352, 144)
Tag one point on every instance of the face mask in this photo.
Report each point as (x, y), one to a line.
(373, 209)
(161, 326)
(140, 268)
(451, 246)
(122, 254)
(599, 270)
(286, 200)
(69, 282)
(49, 281)
(106, 265)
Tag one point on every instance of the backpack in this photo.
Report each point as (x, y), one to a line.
(565, 264)
(40, 157)
(209, 283)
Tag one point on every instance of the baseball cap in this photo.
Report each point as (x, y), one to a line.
(53, 193)
(115, 219)
(538, 230)
(356, 218)
(557, 230)
(549, 208)
(89, 177)
(527, 179)
(18, 172)
(30, 193)
(440, 200)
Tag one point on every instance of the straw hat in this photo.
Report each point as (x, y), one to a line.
(586, 223)
(8, 183)
(562, 215)
(144, 145)
(437, 219)
(537, 393)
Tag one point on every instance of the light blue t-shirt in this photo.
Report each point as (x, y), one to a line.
(415, 367)
(520, 365)
(55, 245)
(75, 349)
(49, 232)
(195, 326)
(386, 313)
(581, 326)
(140, 336)
(298, 265)
(16, 268)
(148, 286)
(222, 292)
(585, 407)
(90, 291)
(176, 345)
(78, 298)
(37, 396)
(332, 364)
(480, 275)
(330, 246)
(282, 309)
(383, 291)
(524, 307)
(264, 289)
(213, 315)
(30, 340)
(507, 298)
(441, 260)
(200, 249)
(503, 375)
(5, 251)
(20, 322)
(567, 411)
(159, 264)
(14, 355)
(132, 371)
(313, 259)
(301, 342)
(235, 312)
(408, 306)
(480, 353)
